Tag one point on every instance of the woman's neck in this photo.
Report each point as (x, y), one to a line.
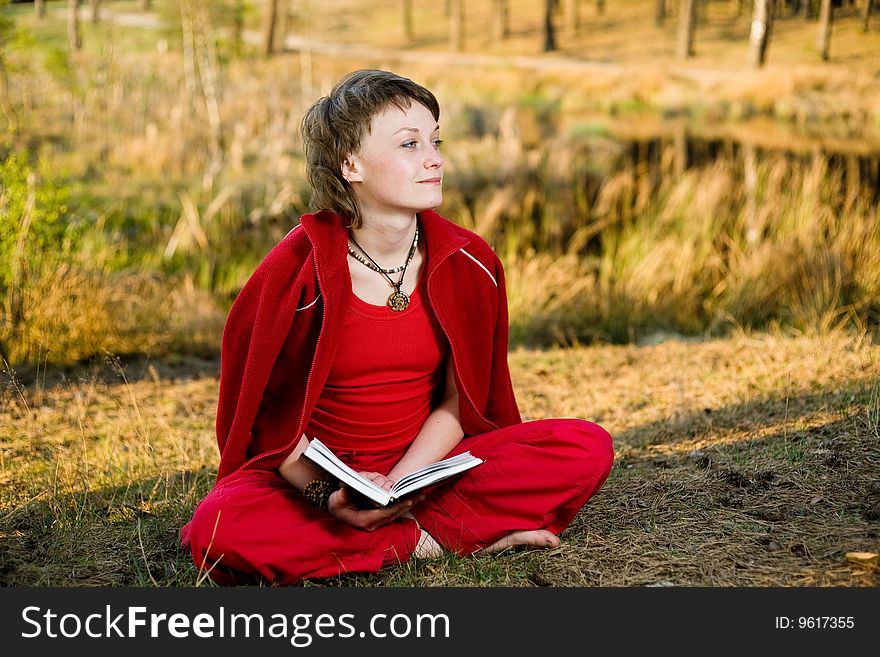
(386, 241)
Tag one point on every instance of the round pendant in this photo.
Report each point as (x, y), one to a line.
(398, 301)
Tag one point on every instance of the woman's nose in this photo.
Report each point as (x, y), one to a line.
(434, 160)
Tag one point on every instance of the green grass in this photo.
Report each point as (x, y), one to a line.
(101, 465)
(722, 444)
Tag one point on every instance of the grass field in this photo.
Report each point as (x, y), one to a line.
(719, 316)
(743, 462)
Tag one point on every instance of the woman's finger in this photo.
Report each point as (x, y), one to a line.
(379, 479)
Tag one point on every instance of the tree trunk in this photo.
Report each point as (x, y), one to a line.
(738, 8)
(96, 11)
(823, 42)
(762, 24)
(456, 25)
(680, 149)
(406, 17)
(806, 9)
(238, 26)
(866, 14)
(5, 103)
(600, 7)
(750, 177)
(188, 49)
(549, 32)
(282, 22)
(573, 16)
(209, 74)
(660, 15)
(39, 8)
(74, 40)
(686, 26)
(702, 11)
(500, 20)
(270, 27)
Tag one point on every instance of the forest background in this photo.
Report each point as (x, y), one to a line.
(684, 195)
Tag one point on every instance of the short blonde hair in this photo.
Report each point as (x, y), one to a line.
(333, 127)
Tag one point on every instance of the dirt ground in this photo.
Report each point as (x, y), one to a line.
(750, 461)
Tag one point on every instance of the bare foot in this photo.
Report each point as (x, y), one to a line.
(539, 538)
(427, 547)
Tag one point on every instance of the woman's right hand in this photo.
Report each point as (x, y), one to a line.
(341, 505)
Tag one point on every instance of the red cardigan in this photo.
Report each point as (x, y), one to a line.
(281, 335)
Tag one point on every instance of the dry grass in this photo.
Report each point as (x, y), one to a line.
(742, 462)
(748, 461)
(530, 165)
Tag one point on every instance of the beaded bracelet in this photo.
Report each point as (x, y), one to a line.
(318, 492)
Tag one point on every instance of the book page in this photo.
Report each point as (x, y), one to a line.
(433, 473)
(325, 458)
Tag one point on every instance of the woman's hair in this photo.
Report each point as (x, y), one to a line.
(333, 127)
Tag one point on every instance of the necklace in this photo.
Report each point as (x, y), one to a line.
(397, 301)
(372, 265)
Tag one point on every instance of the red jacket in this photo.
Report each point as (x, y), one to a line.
(281, 336)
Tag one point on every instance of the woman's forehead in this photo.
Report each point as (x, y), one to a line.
(393, 119)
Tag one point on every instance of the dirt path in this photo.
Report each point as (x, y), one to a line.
(542, 63)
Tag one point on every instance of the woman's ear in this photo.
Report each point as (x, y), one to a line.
(351, 170)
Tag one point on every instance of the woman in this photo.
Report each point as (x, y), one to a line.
(381, 328)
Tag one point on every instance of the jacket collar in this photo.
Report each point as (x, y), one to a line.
(329, 237)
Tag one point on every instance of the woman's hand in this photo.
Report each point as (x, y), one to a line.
(343, 507)
(380, 480)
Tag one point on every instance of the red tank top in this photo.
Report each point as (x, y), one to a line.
(385, 378)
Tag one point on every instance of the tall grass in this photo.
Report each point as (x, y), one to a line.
(598, 244)
(617, 255)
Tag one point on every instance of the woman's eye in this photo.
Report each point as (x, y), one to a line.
(409, 144)
(437, 143)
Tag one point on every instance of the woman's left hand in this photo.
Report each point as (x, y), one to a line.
(380, 480)
(344, 508)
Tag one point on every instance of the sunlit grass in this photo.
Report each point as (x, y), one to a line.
(598, 245)
(758, 447)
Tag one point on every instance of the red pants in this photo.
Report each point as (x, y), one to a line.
(537, 475)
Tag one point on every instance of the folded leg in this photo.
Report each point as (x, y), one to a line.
(537, 475)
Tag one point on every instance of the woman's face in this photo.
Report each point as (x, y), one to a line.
(398, 170)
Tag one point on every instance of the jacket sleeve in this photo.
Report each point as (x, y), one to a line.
(255, 329)
(501, 406)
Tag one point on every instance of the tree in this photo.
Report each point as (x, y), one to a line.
(660, 14)
(762, 24)
(866, 14)
(271, 27)
(201, 67)
(406, 16)
(74, 40)
(573, 16)
(806, 9)
(600, 7)
(238, 12)
(96, 10)
(39, 8)
(500, 20)
(456, 25)
(549, 30)
(823, 42)
(687, 24)
(5, 104)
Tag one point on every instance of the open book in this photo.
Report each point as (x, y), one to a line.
(322, 456)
